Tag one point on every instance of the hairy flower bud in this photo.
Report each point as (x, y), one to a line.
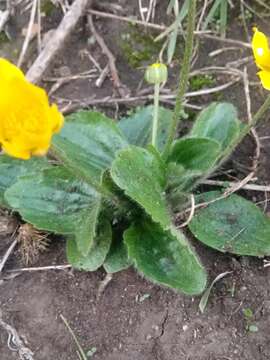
(156, 73)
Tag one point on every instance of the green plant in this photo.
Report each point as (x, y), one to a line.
(249, 319)
(115, 188)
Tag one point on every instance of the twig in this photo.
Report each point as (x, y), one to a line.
(114, 73)
(4, 16)
(28, 33)
(104, 73)
(163, 98)
(14, 341)
(42, 268)
(225, 41)
(252, 187)
(56, 42)
(139, 22)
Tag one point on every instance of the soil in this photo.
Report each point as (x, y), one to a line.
(134, 319)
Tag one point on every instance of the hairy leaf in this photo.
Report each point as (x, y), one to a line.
(165, 257)
(98, 252)
(88, 143)
(197, 154)
(57, 201)
(141, 175)
(11, 169)
(219, 122)
(233, 225)
(138, 127)
(117, 258)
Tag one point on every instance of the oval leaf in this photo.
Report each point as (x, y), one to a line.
(233, 225)
(57, 201)
(140, 174)
(117, 258)
(138, 127)
(165, 257)
(198, 154)
(11, 169)
(97, 254)
(218, 122)
(88, 143)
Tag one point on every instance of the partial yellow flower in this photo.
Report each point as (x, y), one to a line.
(27, 120)
(261, 51)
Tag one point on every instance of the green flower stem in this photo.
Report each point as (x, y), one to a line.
(256, 118)
(155, 115)
(183, 78)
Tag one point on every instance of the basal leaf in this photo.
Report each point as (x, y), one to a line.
(165, 257)
(57, 201)
(219, 122)
(233, 225)
(117, 258)
(88, 143)
(141, 175)
(138, 127)
(196, 154)
(11, 169)
(95, 258)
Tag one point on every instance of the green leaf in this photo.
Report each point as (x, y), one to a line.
(218, 122)
(138, 127)
(57, 201)
(165, 257)
(98, 252)
(233, 225)
(141, 175)
(197, 154)
(117, 258)
(88, 143)
(11, 169)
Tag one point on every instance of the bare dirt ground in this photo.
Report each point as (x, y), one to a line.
(134, 319)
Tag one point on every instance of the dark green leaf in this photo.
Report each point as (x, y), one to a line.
(138, 127)
(218, 122)
(98, 252)
(141, 175)
(88, 143)
(117, 258)
(197, 154)
(57, 201)
(11, 169)
(165, 257)
(232, 225)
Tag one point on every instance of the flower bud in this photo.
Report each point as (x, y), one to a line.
(156, 73)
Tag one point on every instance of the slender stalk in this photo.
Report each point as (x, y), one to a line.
(256, 118)
(155, 115)
(183, 77)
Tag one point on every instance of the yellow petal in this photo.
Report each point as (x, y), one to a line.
(265, 79)
(12, 149)
(8, 71)
(261, 51)
(27, 120)
(57, 119)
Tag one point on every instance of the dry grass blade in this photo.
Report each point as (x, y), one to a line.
(205, 297)
(80, 351)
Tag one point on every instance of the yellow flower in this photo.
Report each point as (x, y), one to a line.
(261, 51)
(27, 120)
